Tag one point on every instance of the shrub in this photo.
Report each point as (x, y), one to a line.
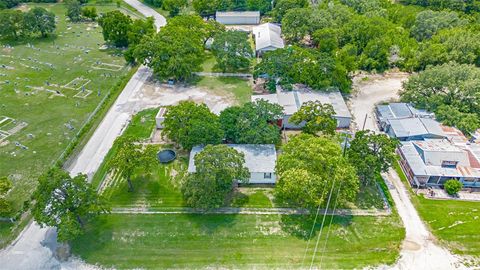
(453, 186)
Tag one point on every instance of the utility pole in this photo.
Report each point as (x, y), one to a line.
(364, 121)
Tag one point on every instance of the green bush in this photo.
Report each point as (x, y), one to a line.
(453, 186)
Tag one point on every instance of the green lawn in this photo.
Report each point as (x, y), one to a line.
(31, 73)
(252, 197)
(156, 190)
(455, 223)
(237, 241)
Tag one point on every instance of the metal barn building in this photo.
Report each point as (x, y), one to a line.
(238, 17)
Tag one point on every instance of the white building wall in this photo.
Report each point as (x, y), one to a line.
(258, 178)
(238, 20)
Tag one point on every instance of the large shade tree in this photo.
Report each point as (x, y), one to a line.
(217, 169)
(130, 157)
(190, 124)
(428, 23)
(11, 23)
(39, 20)
(253, 123)
(65, 203)
(232, 50)
(301, 65)
(115, 27)
(371, 154)
(311, 169)
(450, 90)
(178, 50)
(317, 117)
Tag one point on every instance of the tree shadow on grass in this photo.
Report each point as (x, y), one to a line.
(211, 223)
(98, 233)
(300, 226)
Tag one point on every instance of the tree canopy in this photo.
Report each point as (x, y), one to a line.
(177, 50)
(300, 65)
(450, 90)
(209, 7)
(232, 50)
(5, 205)
(190, 124)
(317, 117)
(428, 23)
(371, 154)
(11, 23)
(74, 10)
(65, 203)
(253, 123)
(115, 27)
(217, 168)
(39, 20)
(130, 157)
(311, 168)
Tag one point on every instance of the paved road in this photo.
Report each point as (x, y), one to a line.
(160, 21)
(33, 247)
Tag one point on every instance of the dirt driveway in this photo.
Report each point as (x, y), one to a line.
(369, 90)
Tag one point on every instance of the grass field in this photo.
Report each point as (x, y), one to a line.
(49, 87)
(455, 223)
(237, 241)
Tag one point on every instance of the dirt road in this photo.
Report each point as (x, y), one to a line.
(369, 90)
(419, 249)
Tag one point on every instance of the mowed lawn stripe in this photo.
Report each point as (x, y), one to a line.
(244, 241)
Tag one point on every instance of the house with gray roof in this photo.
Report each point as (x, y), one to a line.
(395, 111)
(433, 162)
(268, 37)
(260, 160)
(410, 129)
(406, 123)
(238, 17)
(291, 101)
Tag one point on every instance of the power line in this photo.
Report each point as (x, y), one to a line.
(329, 226)
(323, 222)
(313, 227)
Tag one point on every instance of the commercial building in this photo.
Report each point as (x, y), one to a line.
(433, 162)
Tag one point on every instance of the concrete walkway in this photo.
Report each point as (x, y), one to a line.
(220, 74)
(249, 211)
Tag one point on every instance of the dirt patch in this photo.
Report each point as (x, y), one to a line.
(411, 246)
(369, 90)
(164, 95)
(23, 8)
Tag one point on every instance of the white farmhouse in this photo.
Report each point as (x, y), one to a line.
(268, 37)
(260, 160)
